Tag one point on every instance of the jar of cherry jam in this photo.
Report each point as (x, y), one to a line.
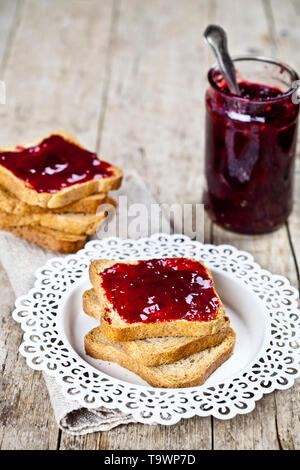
(250, 146)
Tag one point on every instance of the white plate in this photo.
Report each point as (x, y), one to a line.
(262, 310)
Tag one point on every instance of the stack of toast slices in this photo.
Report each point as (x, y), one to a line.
(169, 354)
(58, 220)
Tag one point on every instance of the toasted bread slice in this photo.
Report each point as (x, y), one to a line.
(116, 329)
(11, 204)
(188, 372)
(77, 223)
(48, 238)
(64, 196)
(162, 350)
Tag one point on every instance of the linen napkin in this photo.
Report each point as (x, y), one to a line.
(70, 415)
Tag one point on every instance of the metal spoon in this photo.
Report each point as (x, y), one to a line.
(217, 39)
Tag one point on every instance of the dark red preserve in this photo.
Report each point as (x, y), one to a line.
(250, 153)
(160, 290)
(54, 164)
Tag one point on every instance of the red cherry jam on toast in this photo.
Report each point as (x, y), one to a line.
(160, 290)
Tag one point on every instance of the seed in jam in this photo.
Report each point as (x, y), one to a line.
(54, 164)
(160, 290)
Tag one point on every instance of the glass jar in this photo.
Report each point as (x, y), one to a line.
(250, 146)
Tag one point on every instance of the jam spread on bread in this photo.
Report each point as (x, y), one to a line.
(54, 164)
(160, 290)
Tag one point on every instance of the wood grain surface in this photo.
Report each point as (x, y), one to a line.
(128, 77)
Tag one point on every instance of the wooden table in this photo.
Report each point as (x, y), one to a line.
(127, 77)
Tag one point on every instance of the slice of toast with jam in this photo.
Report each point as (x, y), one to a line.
(156, 298)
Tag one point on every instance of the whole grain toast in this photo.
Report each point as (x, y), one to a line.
(64, 196)
(116, 329)
(187, 372)
(50, 239)
(11, 204)
(161, 350)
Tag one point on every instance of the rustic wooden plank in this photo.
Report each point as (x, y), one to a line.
(26, 419)
(246, 432)
(287, 401)
(246, 27)
(279, 411)
(54, 75)
(187, 434)
(154, 123)
(248, 34)
(286, 35)
(138, 141)
(294, 219)
(285, 24)
(285, 18)
(287, 417)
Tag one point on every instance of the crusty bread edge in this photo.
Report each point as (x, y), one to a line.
(196, 344)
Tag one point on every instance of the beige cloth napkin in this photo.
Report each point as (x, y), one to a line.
(70, 415)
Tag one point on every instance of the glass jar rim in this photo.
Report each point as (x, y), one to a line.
(292, 72)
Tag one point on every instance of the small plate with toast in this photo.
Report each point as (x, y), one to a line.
(162, 328)
(54, 192)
